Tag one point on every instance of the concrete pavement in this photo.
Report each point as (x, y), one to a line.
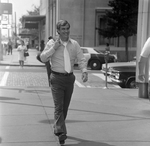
(96, 117)
(13, 59)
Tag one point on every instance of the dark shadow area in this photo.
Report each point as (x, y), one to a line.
(83, 142)
(25, 104)
(8, 98)
(10, 88)
(37, 91)
(108, 113)
(0, 140)
(79, 110)
(28, 89)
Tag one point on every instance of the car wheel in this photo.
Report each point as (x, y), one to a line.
(122, 86)
(131, 83)
(95, 65)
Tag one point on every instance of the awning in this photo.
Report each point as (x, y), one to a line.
(31, 25)
(32, 21)
(26, 35)
(33, 18)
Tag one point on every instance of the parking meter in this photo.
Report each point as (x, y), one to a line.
(106, 57)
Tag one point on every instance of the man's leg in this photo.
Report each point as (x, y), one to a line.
(62, 88)
(68, 94)
(57, 88)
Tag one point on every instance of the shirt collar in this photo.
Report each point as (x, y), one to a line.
(69, 40)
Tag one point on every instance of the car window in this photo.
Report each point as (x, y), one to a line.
(84, 51)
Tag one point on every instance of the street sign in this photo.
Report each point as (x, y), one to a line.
(5, 8)
(6, 26)
(4, 17)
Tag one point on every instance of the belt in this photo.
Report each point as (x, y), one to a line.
(62, 74)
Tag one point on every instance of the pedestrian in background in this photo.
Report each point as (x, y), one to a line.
(10, 47)
(42, 45)
(63, 52)
(5, 49)
(21, 49)
(107, 49)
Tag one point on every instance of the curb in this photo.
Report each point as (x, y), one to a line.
(32, 65)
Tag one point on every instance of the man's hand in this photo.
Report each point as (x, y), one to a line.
(141, 77)
(84, 76)
(57, 44)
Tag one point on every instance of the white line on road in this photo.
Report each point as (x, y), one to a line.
(79, 84)
(103, 78)
(7, 67)
(5, 77)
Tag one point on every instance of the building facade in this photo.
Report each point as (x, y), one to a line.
(85, 16)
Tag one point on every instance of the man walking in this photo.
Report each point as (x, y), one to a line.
(62, 53)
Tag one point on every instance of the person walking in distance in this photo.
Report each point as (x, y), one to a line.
(9, 45)
(63, 52)
(107, 49)
(21, 49)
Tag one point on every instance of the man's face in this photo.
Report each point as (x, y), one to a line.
(64, 32)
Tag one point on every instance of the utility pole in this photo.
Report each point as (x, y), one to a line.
(15, 32)
(8, 22)
(15, 25)
(1, 51)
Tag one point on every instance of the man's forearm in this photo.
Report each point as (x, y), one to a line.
(142, 64)
(47, 52)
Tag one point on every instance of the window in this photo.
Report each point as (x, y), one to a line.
(84, 51)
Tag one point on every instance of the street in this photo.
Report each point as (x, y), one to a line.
(13, 76)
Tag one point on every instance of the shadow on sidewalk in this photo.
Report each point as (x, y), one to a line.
(83, 142)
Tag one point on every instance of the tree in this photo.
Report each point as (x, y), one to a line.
(36, 11)
(121, 20)
(33, 32)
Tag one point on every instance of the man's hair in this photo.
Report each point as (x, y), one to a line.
(50, 37)
(62, 23)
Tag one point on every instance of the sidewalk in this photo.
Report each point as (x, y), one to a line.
(12, 60)
(96, 117)
(110, 117)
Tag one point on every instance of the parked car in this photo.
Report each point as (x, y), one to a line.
(122, 73)
(96, 59)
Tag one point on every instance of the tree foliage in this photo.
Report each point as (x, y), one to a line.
(36, 11)
(121, 20)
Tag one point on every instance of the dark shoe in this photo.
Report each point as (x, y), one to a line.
(62, 138)
(57, 134)
(62, 142)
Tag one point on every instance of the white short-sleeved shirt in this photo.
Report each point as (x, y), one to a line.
(146, 49)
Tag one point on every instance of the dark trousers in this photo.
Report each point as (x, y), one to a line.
(10, 50)
(62, 89)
